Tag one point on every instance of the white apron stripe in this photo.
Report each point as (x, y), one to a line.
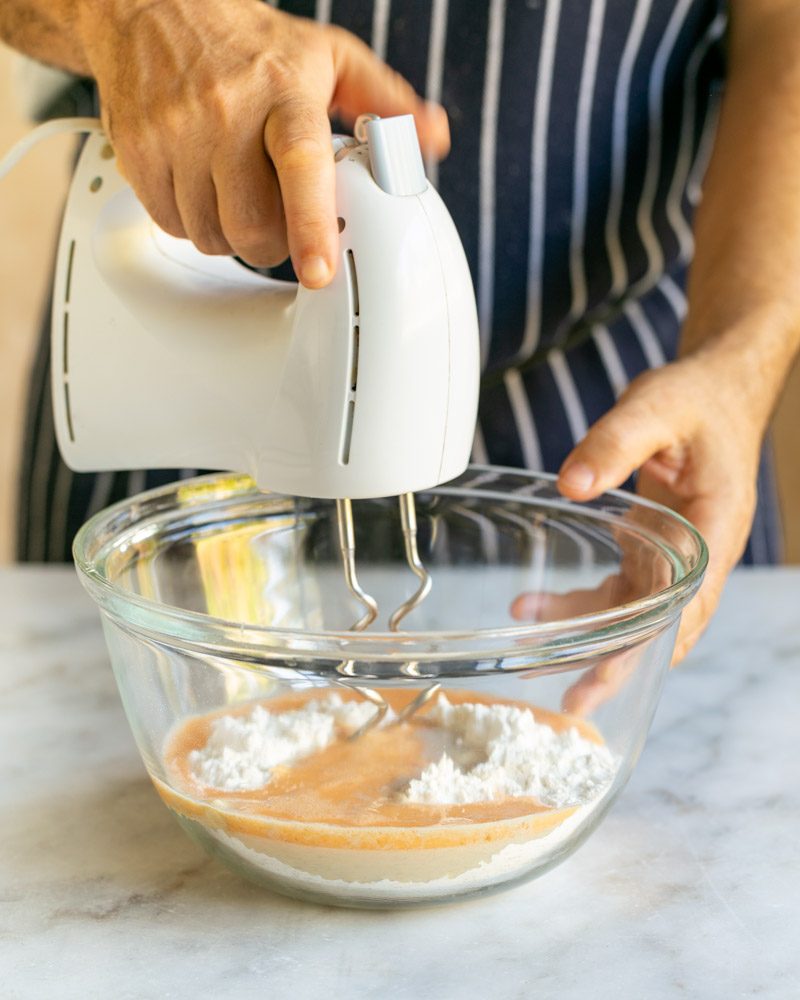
(538, 571)
(523, 418)
(323, 11)
(137, 479)
(541, 121)
(674, 295)
(583, 120)
(480, 454)
(587, 561)
(567, 390)
(655, 99)
(101, 491)
(433, 82)
(491, 97)
(648, 341)
(694, 189)
(678, 221)
(612, 362)
(380, 27)
(487, 529)
(619, 150)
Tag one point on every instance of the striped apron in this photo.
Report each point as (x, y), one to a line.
(581, 130)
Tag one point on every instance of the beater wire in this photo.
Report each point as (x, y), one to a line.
(347, 546)
(408, 522)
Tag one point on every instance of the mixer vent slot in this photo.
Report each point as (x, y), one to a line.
(65, 346)
(350, 267)
(69, 412)
(348, 431)
(69, 271)
(354, 358)
(352, 277)
(65, 342)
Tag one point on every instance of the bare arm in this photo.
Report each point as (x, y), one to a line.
(694, 428)
(744, 292)
(218, 113)
(45, 30)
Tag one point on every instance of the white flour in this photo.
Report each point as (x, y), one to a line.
(501, 750)
(495, 751)
(242, 750)
(491, 751)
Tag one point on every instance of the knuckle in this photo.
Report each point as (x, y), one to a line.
(403, 91)
(220, 101)
(169, 221)
(280, 74)
(260, 245)
(307, 231)
(211, 248)
(263, 257)
(299, 151)
(130, 158)
(160, 205)
(340, 34)
(211, 243)
(247, 238)
(344, 41)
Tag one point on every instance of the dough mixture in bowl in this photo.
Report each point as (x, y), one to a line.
(472, 791)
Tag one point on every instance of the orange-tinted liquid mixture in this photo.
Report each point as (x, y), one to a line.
(346, 794)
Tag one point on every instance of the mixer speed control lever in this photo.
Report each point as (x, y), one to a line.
(394, 153)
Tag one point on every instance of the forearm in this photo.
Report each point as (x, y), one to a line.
(744, 290)
(46, 30)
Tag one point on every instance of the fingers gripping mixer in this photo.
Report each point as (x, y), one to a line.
(163, 357)
(166, 358)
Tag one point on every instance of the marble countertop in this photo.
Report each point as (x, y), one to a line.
(691, 886)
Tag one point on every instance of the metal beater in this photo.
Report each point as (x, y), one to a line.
(347, 544)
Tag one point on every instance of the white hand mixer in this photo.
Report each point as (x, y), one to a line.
(163, 357)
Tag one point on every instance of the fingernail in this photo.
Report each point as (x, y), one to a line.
(314, 272)
(577, 476)
(527, 606)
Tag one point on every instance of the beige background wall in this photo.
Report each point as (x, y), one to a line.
(30, 205)
(30, 201)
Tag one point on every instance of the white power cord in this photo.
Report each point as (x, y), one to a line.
(58, 126)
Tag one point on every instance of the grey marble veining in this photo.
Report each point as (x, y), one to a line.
(689, 888)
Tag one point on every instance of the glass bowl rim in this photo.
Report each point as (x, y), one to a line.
(597, 632)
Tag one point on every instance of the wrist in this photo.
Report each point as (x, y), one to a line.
(98, 24)
(102, 25)
(746, 359)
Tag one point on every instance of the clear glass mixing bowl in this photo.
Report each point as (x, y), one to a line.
(218, 600)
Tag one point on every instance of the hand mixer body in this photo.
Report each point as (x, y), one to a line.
(164, 357)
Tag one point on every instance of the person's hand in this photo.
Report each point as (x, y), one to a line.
(693, 429)
(218, 115)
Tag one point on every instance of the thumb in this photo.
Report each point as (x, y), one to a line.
(640, 425)
(364, 83)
